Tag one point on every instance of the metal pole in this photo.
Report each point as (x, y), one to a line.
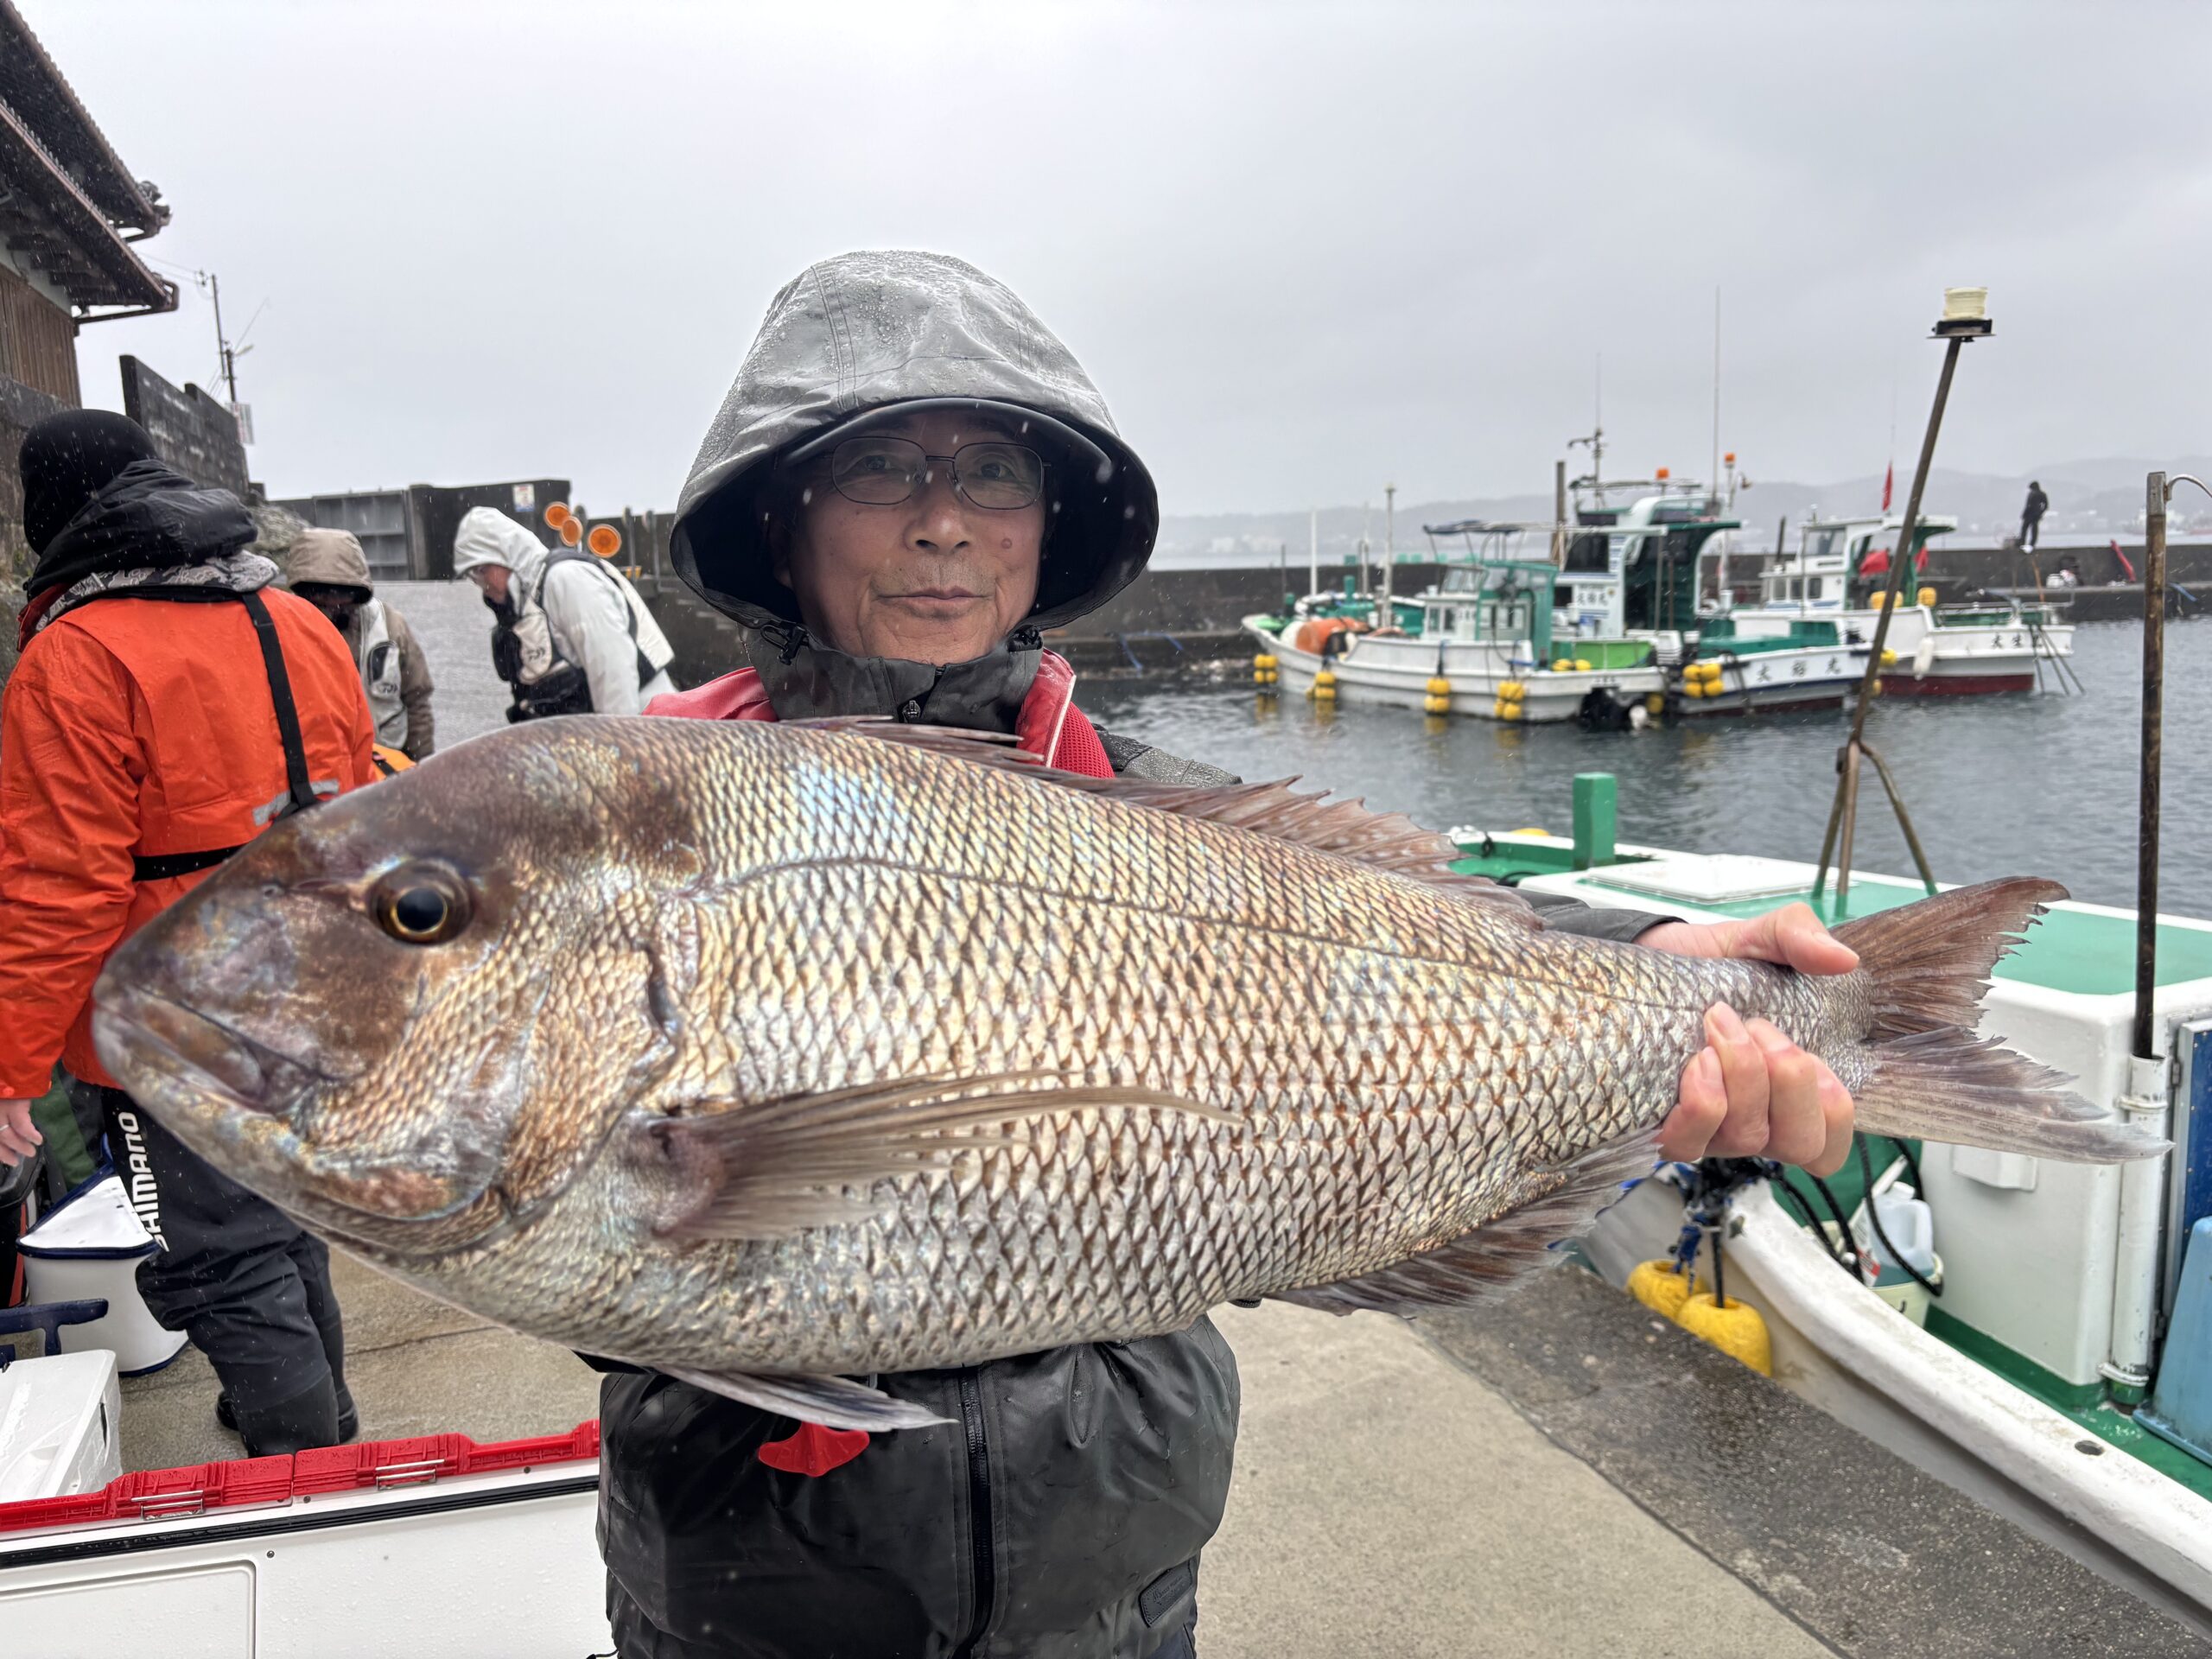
(1313, 551)
(1899, 560)
(1847, 788)
(2154, 684)
(1559, 513)
(1904, 819)
(1385, 617)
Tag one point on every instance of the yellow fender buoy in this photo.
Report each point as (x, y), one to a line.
(1926, 596)
(1582, 665)
(1656, 703)
(1660, 1287)
(1889, 657)
(1735, 1330)
(1325, 686)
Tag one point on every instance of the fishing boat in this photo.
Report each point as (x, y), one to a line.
(2004, 645)
(1484, 641)
(2062, 1371)
(1641, 570)
(1606, 630)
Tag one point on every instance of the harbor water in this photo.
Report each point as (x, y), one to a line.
(2041, 784)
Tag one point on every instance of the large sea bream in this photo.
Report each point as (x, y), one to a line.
(772, 1055)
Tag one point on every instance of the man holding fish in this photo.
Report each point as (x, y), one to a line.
(888, 1110)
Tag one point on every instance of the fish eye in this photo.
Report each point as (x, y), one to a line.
(421, 905)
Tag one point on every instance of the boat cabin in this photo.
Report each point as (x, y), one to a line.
(1620, 569)
(1825, 573)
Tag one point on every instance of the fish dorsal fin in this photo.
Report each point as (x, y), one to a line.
(767, 1169)
(1482, 1264)
(1347, 829)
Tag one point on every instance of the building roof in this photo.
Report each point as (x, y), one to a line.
(72, 208)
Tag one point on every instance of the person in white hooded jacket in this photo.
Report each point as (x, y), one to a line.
(571, 635)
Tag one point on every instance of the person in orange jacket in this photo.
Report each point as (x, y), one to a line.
(168, 706)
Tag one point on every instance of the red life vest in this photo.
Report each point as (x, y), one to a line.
(1050, 724)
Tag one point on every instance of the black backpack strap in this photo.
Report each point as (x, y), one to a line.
(287, 712)
(164, 866)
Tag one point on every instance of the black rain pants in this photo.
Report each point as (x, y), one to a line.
(237, 1276)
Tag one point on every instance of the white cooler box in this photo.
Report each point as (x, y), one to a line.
(90, 1245)
(58, 1418)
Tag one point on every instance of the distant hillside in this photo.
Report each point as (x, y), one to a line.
(2089, 500)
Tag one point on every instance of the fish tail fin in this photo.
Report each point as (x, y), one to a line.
(1926, 966)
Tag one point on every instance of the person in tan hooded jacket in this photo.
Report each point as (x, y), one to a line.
(328, 570)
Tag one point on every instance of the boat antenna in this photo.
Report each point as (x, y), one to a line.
(1713, 497)
(1966, 316)
(1314, 549)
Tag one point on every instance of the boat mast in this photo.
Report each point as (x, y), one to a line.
(1384, 616)
(1314, 549)
(1713, 489)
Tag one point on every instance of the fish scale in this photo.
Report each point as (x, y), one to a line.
(1281, 1053)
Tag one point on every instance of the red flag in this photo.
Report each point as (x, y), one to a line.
(2122, 557)
(1889, 481)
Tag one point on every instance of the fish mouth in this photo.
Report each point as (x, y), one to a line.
(149, 1033)
(236, 1102)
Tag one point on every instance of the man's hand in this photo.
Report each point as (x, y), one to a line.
(1752, 1092)
(19, 1136)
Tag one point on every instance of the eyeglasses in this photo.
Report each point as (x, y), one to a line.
(884, 471)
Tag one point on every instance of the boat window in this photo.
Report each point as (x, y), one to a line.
(1797, 587)
(1820, 544)
(1813, 588)
(1589, 555)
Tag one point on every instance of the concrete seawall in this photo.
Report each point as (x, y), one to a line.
(1176, 618)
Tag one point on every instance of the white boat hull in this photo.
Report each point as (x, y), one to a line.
(1397, 672)
(1932, 657)
(1844, 1349)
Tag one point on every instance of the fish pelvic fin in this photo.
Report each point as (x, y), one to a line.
(1927, 965)
(1346, 828)
(1485, 1264)
(832, 1401)
(767, 1169)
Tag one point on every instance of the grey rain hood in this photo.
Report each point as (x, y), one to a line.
(866, 330)
(331, 557)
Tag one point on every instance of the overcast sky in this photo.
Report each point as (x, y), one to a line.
(1305, 251)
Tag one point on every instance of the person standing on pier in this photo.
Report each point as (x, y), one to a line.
(169, 705)
(2031, 516)
(911, 480)
(328, 570)
(569, 634)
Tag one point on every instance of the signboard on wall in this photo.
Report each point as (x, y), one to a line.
(192, 432)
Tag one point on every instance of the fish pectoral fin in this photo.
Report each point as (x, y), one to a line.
(767, 1169)
(1347, 828)
(832, 1401)
(1483, 1264)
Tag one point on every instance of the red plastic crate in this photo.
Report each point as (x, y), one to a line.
(154, 1494)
